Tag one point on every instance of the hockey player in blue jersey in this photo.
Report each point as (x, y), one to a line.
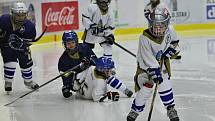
(74, 54)
(16, 34)
(79, 53)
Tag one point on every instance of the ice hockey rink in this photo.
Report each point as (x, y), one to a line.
(193, 83)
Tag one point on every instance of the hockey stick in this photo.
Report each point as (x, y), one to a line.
(120, 46)
(38, 38)
(154, 94)
(178, 57)
(153, 100)
(66, 72)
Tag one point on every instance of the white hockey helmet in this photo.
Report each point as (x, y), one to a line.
(19, 12)
(158, 21)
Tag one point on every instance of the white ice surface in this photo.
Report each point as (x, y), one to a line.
(193, 83)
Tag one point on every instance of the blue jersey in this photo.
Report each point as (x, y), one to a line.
(26, 31)
(68, 61)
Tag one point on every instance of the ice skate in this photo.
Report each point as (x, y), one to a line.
(172, 114)
(132, 116)
(31, 85)
(128, 92)
(8, 87)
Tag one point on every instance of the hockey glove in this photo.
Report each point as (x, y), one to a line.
(155, 75)
(85, 63)
(114, 96)
(110, 39)
(169, 52)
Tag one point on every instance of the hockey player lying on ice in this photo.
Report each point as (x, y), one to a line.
(78, 53)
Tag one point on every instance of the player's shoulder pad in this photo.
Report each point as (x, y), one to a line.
(84, 46)
(93, 7)
(5, 18)
(29, 23)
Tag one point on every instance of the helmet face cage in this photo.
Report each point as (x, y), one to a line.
(70, 41)
(159, 21)
(103, 4)
(105, 66)
(19, 12)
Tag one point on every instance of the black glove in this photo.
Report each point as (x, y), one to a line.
(155, 75)
(114, 96)
(85, 63)
(110, 39)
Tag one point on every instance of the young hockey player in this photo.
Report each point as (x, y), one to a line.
(79, 53)
(16, 34)
(158, 42)
(74, 54)
(99, 25)
(92, 83)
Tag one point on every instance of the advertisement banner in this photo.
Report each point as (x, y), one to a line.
(60, 16)
(210, 9)
(180, 13)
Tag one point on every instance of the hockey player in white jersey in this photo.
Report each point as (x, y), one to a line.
(99, 25)
(158, 42)
(93, 82)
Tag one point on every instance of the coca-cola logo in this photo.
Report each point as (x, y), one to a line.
(63, 17)
(60, 16)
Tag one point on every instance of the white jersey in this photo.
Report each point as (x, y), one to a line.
(92, 86)
(150, 51)
(93, 15)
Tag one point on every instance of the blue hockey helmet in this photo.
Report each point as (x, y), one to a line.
(104, 64)
(70, 41)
